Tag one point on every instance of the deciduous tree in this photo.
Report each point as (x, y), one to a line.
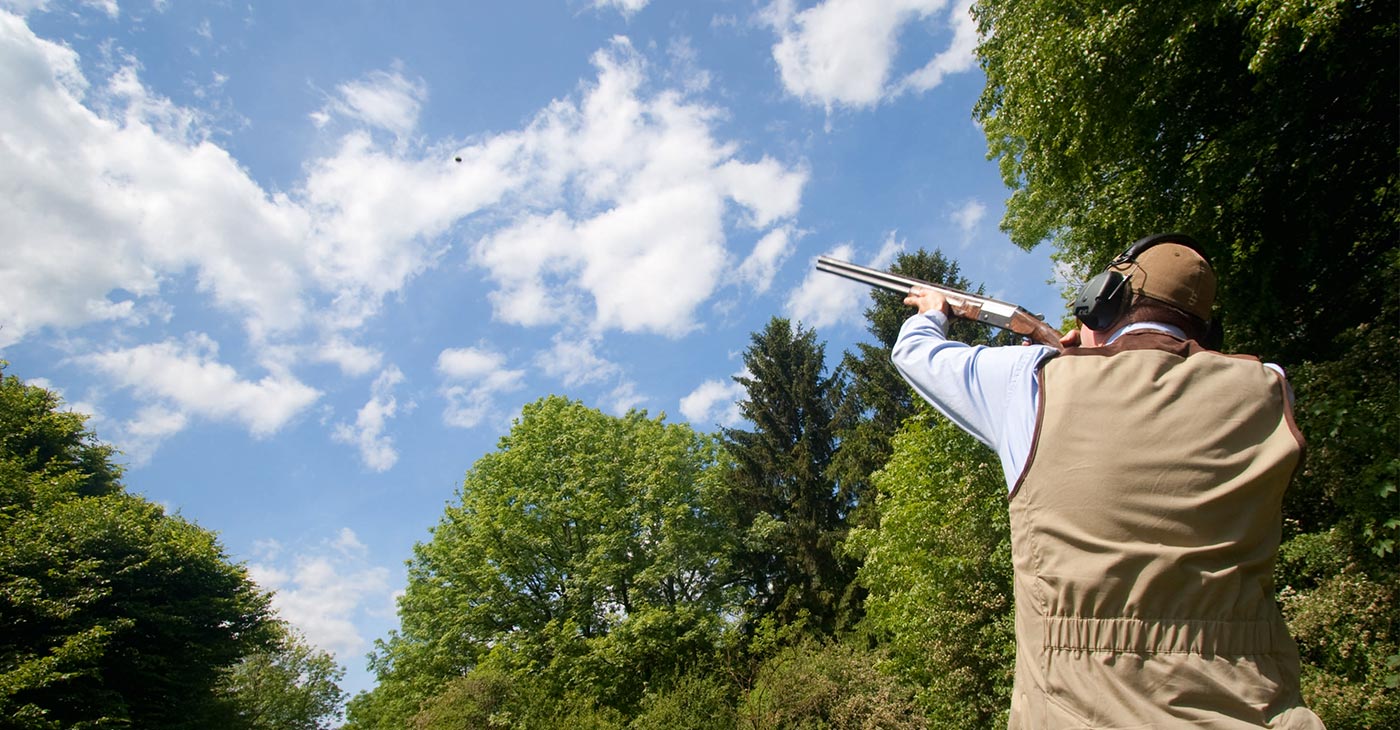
(112, 613)
(585, 550)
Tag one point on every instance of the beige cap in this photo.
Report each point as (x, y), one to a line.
(1175, 274)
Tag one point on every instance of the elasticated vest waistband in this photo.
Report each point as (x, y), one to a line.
(1139, 636)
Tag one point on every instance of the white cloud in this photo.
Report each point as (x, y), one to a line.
(378, 215)
(619, 201)
(352, 359)
(968, 216)
(575, 362)
(24, 7)
(822, 300)
(382, 99)
(623, 398)
(616, 202)
(628, 8)
(714, 402)
(472, 378)
(842, 51)
(762, 263)
(960, 56)
(367, 432)
(768, 190)
(186, 377)
(94, 201)
(93, 206)
(152, 425)
(643, 185)
(323, 590)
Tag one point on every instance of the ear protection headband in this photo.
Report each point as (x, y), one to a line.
(1105, 298)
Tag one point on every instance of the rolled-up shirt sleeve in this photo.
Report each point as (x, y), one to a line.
(990, 392)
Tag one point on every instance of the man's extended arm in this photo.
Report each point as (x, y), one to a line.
(990, 392)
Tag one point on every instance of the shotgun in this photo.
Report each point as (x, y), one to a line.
(962, 304)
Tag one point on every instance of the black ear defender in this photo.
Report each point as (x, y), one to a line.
(1104, 298)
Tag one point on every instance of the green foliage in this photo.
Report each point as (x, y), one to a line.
(115, 614)
(584, 552)
(290, 686)
(694, 702)
(787, 511)
(489, 698)
(1348, 409)
(1266, 127)
(49, 453)
(1347, 625)
(938, 571)
(814, 685)
(482, 699)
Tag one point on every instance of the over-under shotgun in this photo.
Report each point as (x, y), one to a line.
(990, 311)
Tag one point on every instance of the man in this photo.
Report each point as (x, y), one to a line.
(1146, 476)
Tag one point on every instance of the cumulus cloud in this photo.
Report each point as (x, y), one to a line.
(24, 7)
(93, 207)
(576, 362)
(472, 378)
(623, 398)
(382, 99)
(186, 377)
(627, 208)
(958, 57)
(841, 52)
(352, 359)
(761, 265)
(367, 432)
(714, 402)
(99, 180)
(323, 590)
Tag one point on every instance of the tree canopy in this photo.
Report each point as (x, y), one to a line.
(114, 613)
(1267, 128)
(585, 549)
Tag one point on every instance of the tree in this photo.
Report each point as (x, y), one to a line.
(1266, 127)
(111, 612)
(584, 550)
(938, 571)
(289, 686)
(788, 510)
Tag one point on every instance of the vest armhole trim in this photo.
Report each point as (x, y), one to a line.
(1035, 437)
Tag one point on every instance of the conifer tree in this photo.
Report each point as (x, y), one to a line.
(789, 510)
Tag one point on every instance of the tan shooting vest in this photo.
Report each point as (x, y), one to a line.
(1144, 531)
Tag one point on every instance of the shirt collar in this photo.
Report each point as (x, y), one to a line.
(1158, 326)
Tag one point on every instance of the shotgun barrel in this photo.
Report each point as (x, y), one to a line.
(962, 304)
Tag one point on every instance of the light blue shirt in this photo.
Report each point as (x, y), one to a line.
(990, 392)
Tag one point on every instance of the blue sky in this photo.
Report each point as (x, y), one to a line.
(239, 236)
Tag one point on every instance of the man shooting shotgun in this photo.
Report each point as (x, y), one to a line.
(1145, 474)
(962, 304)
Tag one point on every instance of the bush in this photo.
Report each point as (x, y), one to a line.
(836, 686)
